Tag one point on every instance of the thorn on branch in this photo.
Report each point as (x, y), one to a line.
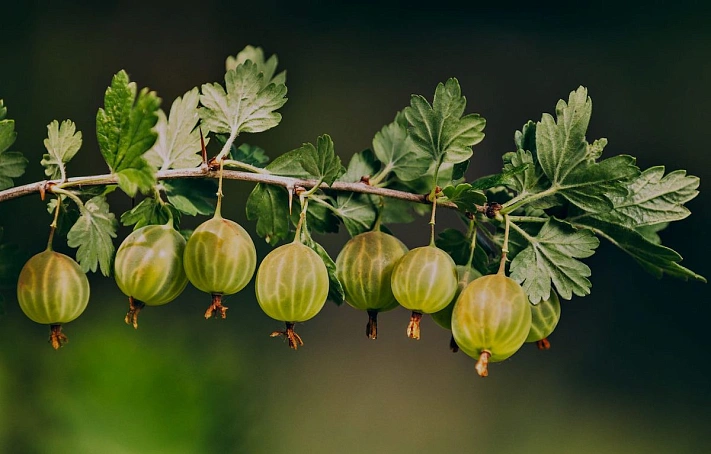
(46, 187)
(365, 179)
(202, 148)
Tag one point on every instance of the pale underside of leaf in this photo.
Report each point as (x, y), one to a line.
(92, 234)
(62, 144)
(178, 145)
(245, 106)
(552, 257)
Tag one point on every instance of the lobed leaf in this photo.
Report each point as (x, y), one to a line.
(321, 161)
(266, 66)
(398, 154)
(551, 256)
(92, 234)
(653, 198)
(439, 130)
(654, 258)
(124, 130)
(562, 151)
(178, 144)
(12, 163)
(62, 144)
(529, 181)
(247, 105)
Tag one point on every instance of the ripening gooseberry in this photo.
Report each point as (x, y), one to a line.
(424, 281)
(491, 319)
(149, 268)
(292, 286)
(544, 318)
(219, 259)
(52, 290)
(364, 267)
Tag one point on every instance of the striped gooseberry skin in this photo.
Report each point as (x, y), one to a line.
(424, 280)
(149, 265)
(544, 318)
(220, 257)
(466, 274)
(52, 289)
(492, 314)
(292, 283)
(364, 267)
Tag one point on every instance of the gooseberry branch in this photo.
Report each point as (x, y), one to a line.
(207, 172)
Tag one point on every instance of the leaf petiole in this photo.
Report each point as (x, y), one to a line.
(244, 166)
(505, 246)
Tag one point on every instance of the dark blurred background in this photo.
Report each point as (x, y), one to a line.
(628, 371)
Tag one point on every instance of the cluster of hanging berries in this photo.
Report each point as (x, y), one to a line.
(490, 316)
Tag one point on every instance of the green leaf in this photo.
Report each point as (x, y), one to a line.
(440, 130)
(62, 143)
(525, 139)
(654, 258)
(500, 179)
(178, 145)
(396, 211)
(320, 216)
(150, 212)
(426, 182)
(458, 246)
(321, 161)
(92, 234)
(531, 180)
(246, 153)
(192, 196)
(561, 145)
(335, 288)
(651, 232)
(361, 165)
(357, 211)
(653, 198)
(256, 55)
(289, 163)
(591, 186)
(269, 206)
(12, 163)
(141, 177)
(248, 105)
(551, 256)
(396, 151)
(124, 129)
(464, 196)
(563, 154)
